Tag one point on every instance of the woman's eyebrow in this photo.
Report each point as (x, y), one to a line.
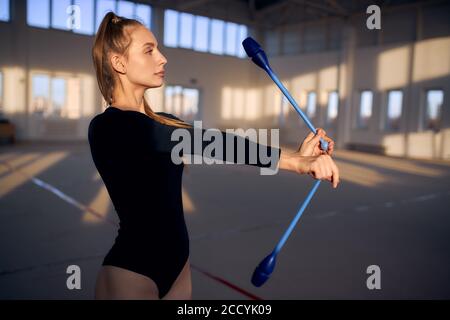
(149, 44)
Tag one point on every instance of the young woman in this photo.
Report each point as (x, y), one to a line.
(131, 149)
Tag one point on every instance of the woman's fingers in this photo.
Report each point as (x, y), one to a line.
(311, 145)
(309, 137)
(335, 179)
(316, 138)
(330, 147)
(324, 168)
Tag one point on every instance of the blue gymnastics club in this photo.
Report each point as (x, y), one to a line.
(258, 56)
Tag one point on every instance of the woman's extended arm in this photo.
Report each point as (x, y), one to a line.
(217, 145)
(308, 159)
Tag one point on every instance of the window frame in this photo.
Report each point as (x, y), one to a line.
(9, 13)
(94, 18)
(51, 75)
(198, 115)
(332, 121)
(386, 126)
(423, 119)
(239, 53)
(358, 122)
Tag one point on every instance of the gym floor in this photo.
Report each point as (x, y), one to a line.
(390, 212)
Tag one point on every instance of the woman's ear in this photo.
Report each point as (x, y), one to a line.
(118, 64)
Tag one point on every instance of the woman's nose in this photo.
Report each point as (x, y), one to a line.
(163, 59)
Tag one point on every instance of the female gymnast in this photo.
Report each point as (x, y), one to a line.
(131, 149)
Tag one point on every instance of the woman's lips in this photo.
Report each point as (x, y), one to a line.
(161, 74)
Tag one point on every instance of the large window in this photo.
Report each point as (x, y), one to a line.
(38, 13)
(103, 6)
(84, 25)
(58, 100)
(125, 8)
(40, 98)
(311, 104)
(365, 109)
(231, 36)
(60, 18)
(203, 34)
(4, 10)
(433, 110)
(55, 96)
(216, 36)
(186, 30)
(182, 102)
(170, 28)
(144, 14)
(81, 16)
(332, 110)
(394, 110)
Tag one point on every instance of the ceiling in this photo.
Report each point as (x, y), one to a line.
(273, 13)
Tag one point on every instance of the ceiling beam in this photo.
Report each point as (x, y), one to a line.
(187, 5)
(314, 4)
(338, 6)
(272, 8)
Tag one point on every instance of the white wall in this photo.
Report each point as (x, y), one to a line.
(236, 93)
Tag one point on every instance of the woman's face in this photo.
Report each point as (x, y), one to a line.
(145, 63)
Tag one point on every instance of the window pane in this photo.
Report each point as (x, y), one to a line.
(59, 16)
(182, 102)
(125, 9)
(58, 97)
(38, 13)
(435, 99)
(201, 33)
(243, 32)
(231, 38)
(86, 20)
(333, 103)
(190, 104)
(217, 29)
(177, 96)
(103, 6)
(40, 100)
(4, 10)
(365, 109)
(186, 24)
(170, 28)
(394, 111)
(311, 104)
(143, 14)
(168, 99)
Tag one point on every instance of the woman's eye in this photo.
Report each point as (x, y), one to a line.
(149, 51)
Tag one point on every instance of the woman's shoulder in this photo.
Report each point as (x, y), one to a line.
(109, 122)
(168, 115)
(96, 127)
(111, 118)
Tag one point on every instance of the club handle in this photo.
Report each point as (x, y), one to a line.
(297, 217)
(323, 143)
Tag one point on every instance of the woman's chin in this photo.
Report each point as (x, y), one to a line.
(156, 84)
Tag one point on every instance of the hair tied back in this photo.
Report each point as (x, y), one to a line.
(115, 20)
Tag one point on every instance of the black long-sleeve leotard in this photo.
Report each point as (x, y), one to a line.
(132, 153)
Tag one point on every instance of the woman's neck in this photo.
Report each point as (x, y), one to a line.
(129, 100)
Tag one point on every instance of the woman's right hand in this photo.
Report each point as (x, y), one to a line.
(321, 167)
